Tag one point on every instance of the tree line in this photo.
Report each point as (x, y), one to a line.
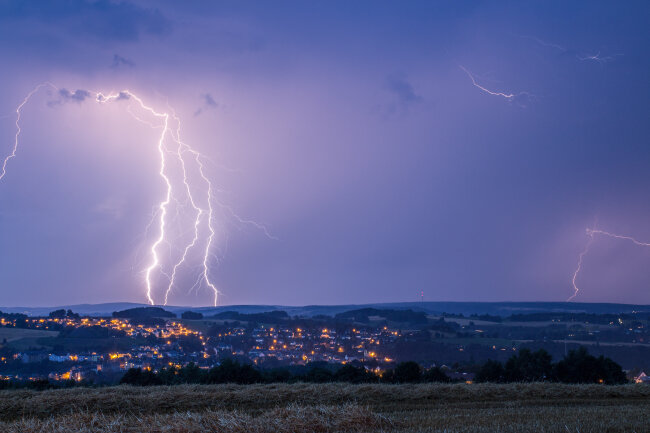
(578, 366)
(526, 366)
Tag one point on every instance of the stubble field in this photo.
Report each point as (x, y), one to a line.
(330, 408)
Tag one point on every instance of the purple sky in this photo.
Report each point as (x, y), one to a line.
(350, 131)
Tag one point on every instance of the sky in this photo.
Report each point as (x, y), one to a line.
(359, 152)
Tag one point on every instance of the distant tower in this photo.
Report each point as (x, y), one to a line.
(422, 295)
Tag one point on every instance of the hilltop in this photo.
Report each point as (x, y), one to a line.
(467, 308)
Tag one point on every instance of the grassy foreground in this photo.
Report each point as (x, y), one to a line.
(330, 408)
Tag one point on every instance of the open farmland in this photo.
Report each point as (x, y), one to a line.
(330, 408)
(13, 334)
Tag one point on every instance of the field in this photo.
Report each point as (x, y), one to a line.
(13, 334)
(25, 339)
(330, 408)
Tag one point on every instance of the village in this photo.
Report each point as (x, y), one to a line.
(67, 347)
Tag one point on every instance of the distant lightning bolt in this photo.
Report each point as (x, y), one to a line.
(583, 56)
(188, 157)
(509, 96)
(591, 233)
(598, 58)
(579, 268)
(18, 130)
(544, 43)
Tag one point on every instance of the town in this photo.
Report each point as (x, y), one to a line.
(65, 347)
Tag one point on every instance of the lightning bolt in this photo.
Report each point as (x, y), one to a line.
(591, 233)
(598, 58)
(203, 211)
(509, 96)
(544, 43)
(18, 130)
(579, 268)
(184, 148)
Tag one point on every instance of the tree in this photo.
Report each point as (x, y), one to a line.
(435, 374)
(491, 371)
(352, 374)
(319, 375)
(191, 315)
(407, 372)
(230, 371)
(529, 366)
(57, 314)
(578, 366)
(137, 376)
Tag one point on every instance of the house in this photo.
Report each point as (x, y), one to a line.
(33, 356)
(642, 378)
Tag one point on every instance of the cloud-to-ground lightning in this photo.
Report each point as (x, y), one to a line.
(201, 196)
(591, 233)
(509, 96)
(579, 268)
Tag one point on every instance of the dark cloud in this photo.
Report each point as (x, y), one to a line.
(399, 86)
(65, 95)
(121, 61)
(208, 102)
(404, 95)
(103, 19)
(78, 95)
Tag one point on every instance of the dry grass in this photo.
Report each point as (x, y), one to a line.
(331, 408)
(290, 419)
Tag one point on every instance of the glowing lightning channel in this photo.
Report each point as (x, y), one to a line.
(18, 130)
(591, 233)
(489, 92)
(199, 211)
(577, 271)
(202, 213)
(598, 58)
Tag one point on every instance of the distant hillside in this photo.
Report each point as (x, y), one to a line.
(466, 308)
(143, 313)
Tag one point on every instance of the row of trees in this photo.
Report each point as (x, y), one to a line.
(578, 366)
(231, 371)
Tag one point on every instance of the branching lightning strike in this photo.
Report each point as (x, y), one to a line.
(509, 96)
(169, 143)
(591, 233)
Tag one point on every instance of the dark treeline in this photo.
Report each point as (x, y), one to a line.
(527, 366)
(577, 367)
(231, 371)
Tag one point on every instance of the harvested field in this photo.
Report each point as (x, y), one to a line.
(13, 334)
(330, 408)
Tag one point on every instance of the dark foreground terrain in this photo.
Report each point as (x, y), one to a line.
(330, 408)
